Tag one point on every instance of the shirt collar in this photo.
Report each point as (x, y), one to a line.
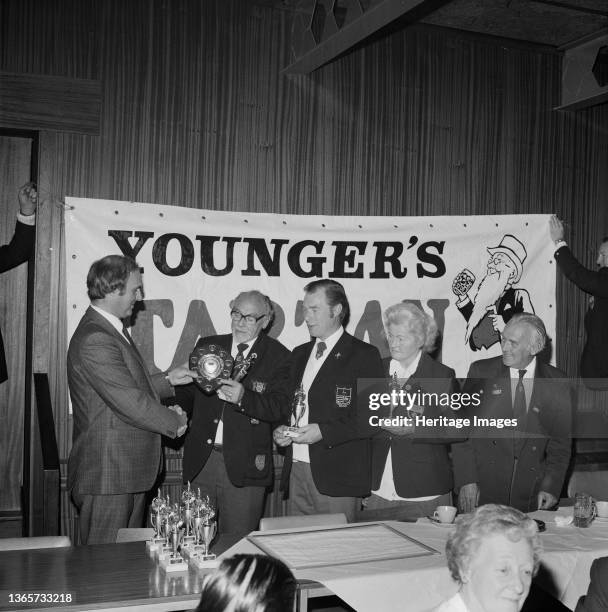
(396, 368)
(114, 321)
(331, 341)
(530, 370)
(234, 350)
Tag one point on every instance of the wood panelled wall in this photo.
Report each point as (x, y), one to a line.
(195, 112)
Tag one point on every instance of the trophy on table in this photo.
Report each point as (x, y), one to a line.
(298, 408)
(205, 529)
(158, 539)
(174, 562)
(189, 539)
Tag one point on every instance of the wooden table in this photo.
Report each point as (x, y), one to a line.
(106, 576)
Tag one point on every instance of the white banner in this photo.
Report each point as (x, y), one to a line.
(470, 273)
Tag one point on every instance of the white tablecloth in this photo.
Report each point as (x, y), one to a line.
(420, 584)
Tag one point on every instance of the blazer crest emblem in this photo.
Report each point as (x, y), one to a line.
(343, 396)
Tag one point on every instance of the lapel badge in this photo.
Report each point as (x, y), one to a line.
(343, 396)
(254, 421)
(259, 386)
(496, 390)
(260, 462)
(536, 409)
(337, 355)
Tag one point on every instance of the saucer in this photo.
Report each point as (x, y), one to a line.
(438, 523)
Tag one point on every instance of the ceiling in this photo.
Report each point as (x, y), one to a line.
(549, 22)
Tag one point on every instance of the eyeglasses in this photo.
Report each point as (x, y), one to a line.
(238, 316)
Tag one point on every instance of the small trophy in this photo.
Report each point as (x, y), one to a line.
(298, 408)
(157, 540)
(174, 562)
(394, 387)
(240, 368)
(205, 528)
(211, 362)
(189, 539)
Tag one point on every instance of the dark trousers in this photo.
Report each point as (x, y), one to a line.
(101, 516)
(239, 509)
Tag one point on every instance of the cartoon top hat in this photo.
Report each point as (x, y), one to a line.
(514, 250)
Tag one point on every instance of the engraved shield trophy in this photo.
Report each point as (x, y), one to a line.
(212, 362)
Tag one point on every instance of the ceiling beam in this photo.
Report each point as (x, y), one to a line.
(335, 26)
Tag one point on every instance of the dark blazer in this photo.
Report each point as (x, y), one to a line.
(421, 462)
(11, 255)
(247, 429)
(596, 599)
(594, 363)
(118, 418)
(512, 466)
(340, 461)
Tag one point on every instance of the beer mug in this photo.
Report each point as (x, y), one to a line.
(584, 510)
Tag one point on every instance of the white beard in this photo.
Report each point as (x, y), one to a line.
(489, 290)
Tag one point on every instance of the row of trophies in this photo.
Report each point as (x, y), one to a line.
(183, 531)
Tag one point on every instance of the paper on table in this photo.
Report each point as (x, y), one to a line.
(346, 545)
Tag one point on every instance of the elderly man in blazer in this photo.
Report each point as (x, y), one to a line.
(524, 465)
(594, 365)
(116, 452)
(228, 449)
(327, 464)
(19, 248)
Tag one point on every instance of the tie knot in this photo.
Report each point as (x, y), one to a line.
(321, 346)
(522, 373)
(242, 347)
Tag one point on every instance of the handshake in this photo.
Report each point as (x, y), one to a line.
(181, 430)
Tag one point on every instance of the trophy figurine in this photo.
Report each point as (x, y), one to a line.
(157, 540)
(241, 366)
(298, 408)
(394, 387)
(205, 529)
(189, 539)
(174, 562)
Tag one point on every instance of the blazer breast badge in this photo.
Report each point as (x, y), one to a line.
(343, 396)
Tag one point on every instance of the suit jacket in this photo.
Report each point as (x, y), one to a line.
(421, 462)
(118, 418)
(512, 466)
(596, 599)
(11, 255)
(247, 433)
(594, 364)
(512, 301)
(340, 461)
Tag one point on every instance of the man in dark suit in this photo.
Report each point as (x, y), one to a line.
(524, 465)
(594, 365)
(228, 449)
(19, 248)
(411, 466)
(327, 465)
(116, 452)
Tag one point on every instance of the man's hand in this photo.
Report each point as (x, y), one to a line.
(556, 228)
(28, 198)
(309, 434)
(468, 497)
(498, 323)
(181, 375)
(546, 501)
(181, 430)
(230, 391)
(279, 437)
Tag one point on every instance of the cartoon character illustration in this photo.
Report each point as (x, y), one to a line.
(496, 300)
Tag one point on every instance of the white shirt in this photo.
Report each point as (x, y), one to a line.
(313, 365)
(387, 484)
(219, 432)
(528, 381)
(26, 219)
(453, 604)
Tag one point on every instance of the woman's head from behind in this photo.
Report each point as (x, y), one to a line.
(494, 553)
(248, 583)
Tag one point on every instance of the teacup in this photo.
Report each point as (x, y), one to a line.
(602, 508)
(445, 514)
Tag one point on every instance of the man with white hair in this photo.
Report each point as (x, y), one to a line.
(496, 299)
(521, 464)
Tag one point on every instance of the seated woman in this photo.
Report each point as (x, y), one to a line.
(248, 583)
(411, 467)
(493, 554)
